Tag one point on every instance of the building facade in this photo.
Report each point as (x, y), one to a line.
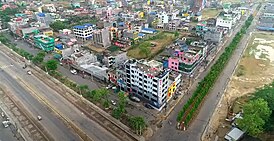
(101, 37)
(147, 80)
(44, 42)
(83, 32)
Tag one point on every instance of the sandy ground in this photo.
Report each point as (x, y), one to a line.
(254, 70)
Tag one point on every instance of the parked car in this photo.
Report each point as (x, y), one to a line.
(147, 105)
(29, 72)
(135, 99)
(113, 102)
(73, 71)
(39, 118)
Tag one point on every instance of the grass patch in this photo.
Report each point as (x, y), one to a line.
(210, 13)
(161, 40)
(113, 48)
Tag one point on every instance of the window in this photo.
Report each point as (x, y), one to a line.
(172, 62)
(176, 68)
(153, 100)
(146, 96)
(175, 63)
(145, 81)
(155, 86)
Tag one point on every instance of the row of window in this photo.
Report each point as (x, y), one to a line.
(227, 22)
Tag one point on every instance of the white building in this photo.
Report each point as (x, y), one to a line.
(83, 32)
(226, 22)
(163, 18)
(147, 80)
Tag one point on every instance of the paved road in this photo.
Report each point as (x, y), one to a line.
(50, 122)
(5, 133)
(169, 132)
(91, 128)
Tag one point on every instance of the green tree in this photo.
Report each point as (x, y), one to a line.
(253, 124)
(138, 124)
(51, 65)
(39, 58)
(58, 25)
(83, 89)
(256, 113)
(121, 108)
(176, 34)
(259, 107)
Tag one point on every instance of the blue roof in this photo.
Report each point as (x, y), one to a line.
(149, 29)
(59, 46)
(141, 34)
(83, 26)
(41, 14)
(121, 23)
(153, 13)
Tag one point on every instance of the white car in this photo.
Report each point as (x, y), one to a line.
(73, 71)
(39, 118)
(29, 72)
(113, 102)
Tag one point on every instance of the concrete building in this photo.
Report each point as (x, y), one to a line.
(186, 58)
(44, 18)
(147, 80)
(44, 42)
(101, 37)
(223, 21)
(83, 32)
(174, 83)
(213, 36)
(114, 59)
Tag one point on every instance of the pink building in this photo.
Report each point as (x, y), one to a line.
(185, 61)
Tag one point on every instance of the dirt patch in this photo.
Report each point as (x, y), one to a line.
(255, 71)
(210, 13)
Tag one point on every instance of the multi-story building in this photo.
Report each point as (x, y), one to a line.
(225, 22)
(174, 82)
(213, 36)
(44, 18)
(44, 42)
(115, 59)
(186, 58)
(101, 37)
(147, 80)
(83, 32)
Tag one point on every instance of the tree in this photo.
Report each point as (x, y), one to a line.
(176, 34)
(118, 112)
(256, 113)
(82, 89)
(266, 93)
(145, 48)
(51, 65)
(138, 124)
(259, 107)
(253, 124)
(39, 58)
(58, 25)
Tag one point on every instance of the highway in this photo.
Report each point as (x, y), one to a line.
(38, 98)
(194, 132)
(50, 122)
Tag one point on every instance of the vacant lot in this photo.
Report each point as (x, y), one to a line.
(164, 40)
(255, 69)
(210, 13)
